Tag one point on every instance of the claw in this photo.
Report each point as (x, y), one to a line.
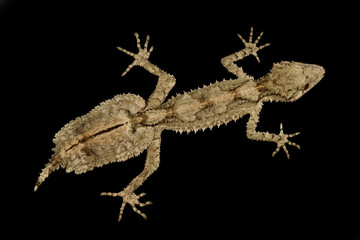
(251, 34)
(241, 38)
(151, 49)
(258, 38)
(126, 51)
(264, 45)
(141, 56)
(128, 69)
(252, 45)
(130, 198)
(121, 211)
(257, 57)
(281, 143)
(146, 42)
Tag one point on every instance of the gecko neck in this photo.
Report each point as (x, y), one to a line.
(267, 93)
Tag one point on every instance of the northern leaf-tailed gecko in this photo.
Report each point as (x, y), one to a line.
(126, 125)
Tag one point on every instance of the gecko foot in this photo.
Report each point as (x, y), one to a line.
(141, 56)
(251, 46)
(130, 198)
(283, 140)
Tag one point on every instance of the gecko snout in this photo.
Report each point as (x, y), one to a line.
(314, 73)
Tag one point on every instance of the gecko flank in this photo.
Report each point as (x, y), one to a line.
(126, 125)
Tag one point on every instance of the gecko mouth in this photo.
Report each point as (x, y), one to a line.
(85, 139)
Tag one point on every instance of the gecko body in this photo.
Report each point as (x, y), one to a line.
(126, 125)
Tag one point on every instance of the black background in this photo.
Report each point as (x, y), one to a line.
(59, 60)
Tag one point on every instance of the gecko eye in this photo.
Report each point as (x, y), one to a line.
(306, 86)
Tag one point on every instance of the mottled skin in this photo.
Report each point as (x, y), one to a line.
(126, 125)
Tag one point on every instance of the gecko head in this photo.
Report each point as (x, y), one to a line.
(290, 80)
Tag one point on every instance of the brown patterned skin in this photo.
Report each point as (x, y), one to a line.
(126, 125)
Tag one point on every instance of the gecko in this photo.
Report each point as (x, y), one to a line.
(126, 125)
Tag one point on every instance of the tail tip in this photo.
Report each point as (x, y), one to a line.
(36, 186)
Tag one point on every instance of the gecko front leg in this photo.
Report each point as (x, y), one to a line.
(151, 164)
(251, 48)
(280, 139)
(165, 82)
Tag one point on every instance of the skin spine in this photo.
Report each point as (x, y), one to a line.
(126, 125)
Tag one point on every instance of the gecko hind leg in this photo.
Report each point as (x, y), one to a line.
(151, 164)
